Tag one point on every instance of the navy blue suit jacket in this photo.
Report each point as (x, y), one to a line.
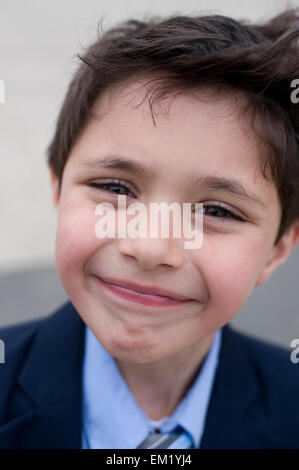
(254, 402)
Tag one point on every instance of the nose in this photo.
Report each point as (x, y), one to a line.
(151, 252)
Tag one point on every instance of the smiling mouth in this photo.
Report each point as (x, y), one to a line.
(139, 297)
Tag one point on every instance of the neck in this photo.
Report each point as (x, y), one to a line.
(158, 387)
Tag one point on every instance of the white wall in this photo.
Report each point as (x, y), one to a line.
(38, 41)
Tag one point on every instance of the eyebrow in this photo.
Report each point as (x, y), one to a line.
(216, 183)
(118, 163)
(230, 186)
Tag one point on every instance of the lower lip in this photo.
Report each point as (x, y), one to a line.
(137, 297)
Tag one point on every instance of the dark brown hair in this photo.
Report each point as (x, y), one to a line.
(182, 53)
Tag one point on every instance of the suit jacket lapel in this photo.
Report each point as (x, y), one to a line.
(46, 403)
(236, 418)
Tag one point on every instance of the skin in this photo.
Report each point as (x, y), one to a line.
(159, 351)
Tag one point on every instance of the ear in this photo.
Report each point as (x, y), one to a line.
(55, 187)
(280, 253)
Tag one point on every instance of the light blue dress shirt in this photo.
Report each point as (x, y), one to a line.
(112, 419)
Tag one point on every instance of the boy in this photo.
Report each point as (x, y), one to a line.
(193, 110)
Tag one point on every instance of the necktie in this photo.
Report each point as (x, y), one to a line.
(174, 440)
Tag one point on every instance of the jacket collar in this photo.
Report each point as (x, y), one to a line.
(49, 402)
(57, 355)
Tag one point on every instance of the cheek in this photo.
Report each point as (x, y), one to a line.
(75, 241)
(230, 270)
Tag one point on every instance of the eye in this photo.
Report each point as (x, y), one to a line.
(114, 186)
(219, 212)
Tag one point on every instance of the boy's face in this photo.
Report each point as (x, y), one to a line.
(192, 140)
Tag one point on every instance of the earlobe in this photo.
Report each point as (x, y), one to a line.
(280, 253)
(55, 187)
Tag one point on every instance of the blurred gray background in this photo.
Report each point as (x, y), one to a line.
(38, 43)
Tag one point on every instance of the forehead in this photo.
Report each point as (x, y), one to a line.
(190, 134)
(194, 123)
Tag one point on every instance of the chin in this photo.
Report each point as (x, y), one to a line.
(132, 350)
